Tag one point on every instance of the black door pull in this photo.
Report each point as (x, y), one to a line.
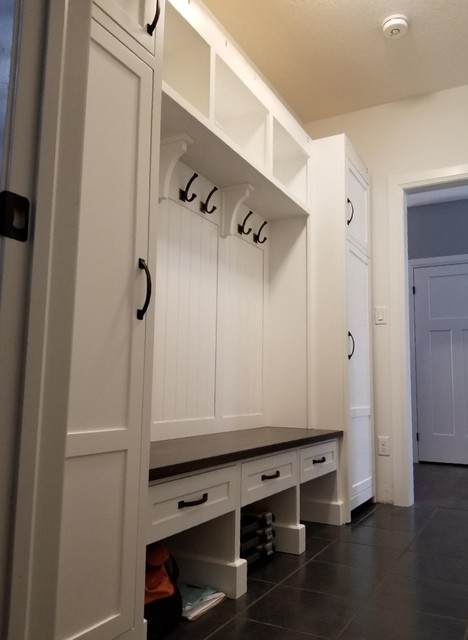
(319, 460)
(350, 355)
(141, 312)
(192, 503)
(348, 221)
(272, 476)
(151, 27)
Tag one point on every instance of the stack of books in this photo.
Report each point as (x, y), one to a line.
(198, 599)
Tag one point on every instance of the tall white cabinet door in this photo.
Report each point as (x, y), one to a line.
(360, 441)
(98, 591)
(135, 16)
(357, 219)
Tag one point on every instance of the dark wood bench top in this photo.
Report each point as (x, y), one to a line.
(185, 455)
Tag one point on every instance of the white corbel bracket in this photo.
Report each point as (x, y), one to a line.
(232, 199)
(172, 149)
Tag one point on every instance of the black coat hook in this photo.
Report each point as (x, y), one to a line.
(204, 205)
(183, 193)
(256, 236)
(241, 227)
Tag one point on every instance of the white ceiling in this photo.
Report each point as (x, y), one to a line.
(328, 57)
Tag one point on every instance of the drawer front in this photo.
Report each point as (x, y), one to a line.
(183, 503)
(318, 460)
(265, 476)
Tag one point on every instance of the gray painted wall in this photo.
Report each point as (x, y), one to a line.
(438, 229)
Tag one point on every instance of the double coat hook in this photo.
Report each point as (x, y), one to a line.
(241, 227)
(256, 236)
(204, 205)
(183, 193)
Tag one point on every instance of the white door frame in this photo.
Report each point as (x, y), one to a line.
(401, 418)
(413, 264)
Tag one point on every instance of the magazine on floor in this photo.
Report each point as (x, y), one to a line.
(198, 599)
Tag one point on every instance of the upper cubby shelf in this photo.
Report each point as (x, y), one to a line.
(241, 131)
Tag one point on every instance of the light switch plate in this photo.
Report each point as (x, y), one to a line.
(380, 315)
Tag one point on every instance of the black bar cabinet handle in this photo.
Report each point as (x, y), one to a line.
(272, 477)
(348, 221)
(141, 312)
(151, 27)
(319, 460)
(192, 503)
(350, 355)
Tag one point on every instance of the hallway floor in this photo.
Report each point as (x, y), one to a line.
(394, 574)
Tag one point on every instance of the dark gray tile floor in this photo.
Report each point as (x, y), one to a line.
(393, 574)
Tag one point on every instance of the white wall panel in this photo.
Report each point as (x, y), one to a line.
(241, 297)
(287, 352)
(185, 333)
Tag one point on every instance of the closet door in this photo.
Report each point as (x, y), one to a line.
(135, 16)
(99, 594)
(357, 219)
(360, 442)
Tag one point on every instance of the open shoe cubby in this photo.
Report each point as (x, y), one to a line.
(242, 132)
(240, 114)
(186, 61)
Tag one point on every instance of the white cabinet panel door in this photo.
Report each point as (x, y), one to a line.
(357, 219)
(134, 16)
(441, 329)
(98, 547)
(359, 432)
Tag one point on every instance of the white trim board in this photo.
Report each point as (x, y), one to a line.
(400, 390)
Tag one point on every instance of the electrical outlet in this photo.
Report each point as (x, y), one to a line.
(383, 446)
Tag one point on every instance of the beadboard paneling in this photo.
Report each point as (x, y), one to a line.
(241, 309)
(185, 332)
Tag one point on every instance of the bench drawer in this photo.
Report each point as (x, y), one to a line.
(268, 475)
(186, 502)
(317, 460)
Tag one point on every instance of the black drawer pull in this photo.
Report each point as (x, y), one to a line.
(193, 503)
(272, 477)
(319, 460)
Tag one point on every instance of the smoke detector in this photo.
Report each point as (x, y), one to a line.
(395, 26)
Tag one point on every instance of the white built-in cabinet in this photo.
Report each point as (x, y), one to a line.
(340, 345)
(102, 540)
(256, 240)
(230, 283)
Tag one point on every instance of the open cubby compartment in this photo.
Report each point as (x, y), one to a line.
(239, 114)
(290, 162)
(186, 61)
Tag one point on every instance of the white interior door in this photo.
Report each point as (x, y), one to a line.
(441, 336)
